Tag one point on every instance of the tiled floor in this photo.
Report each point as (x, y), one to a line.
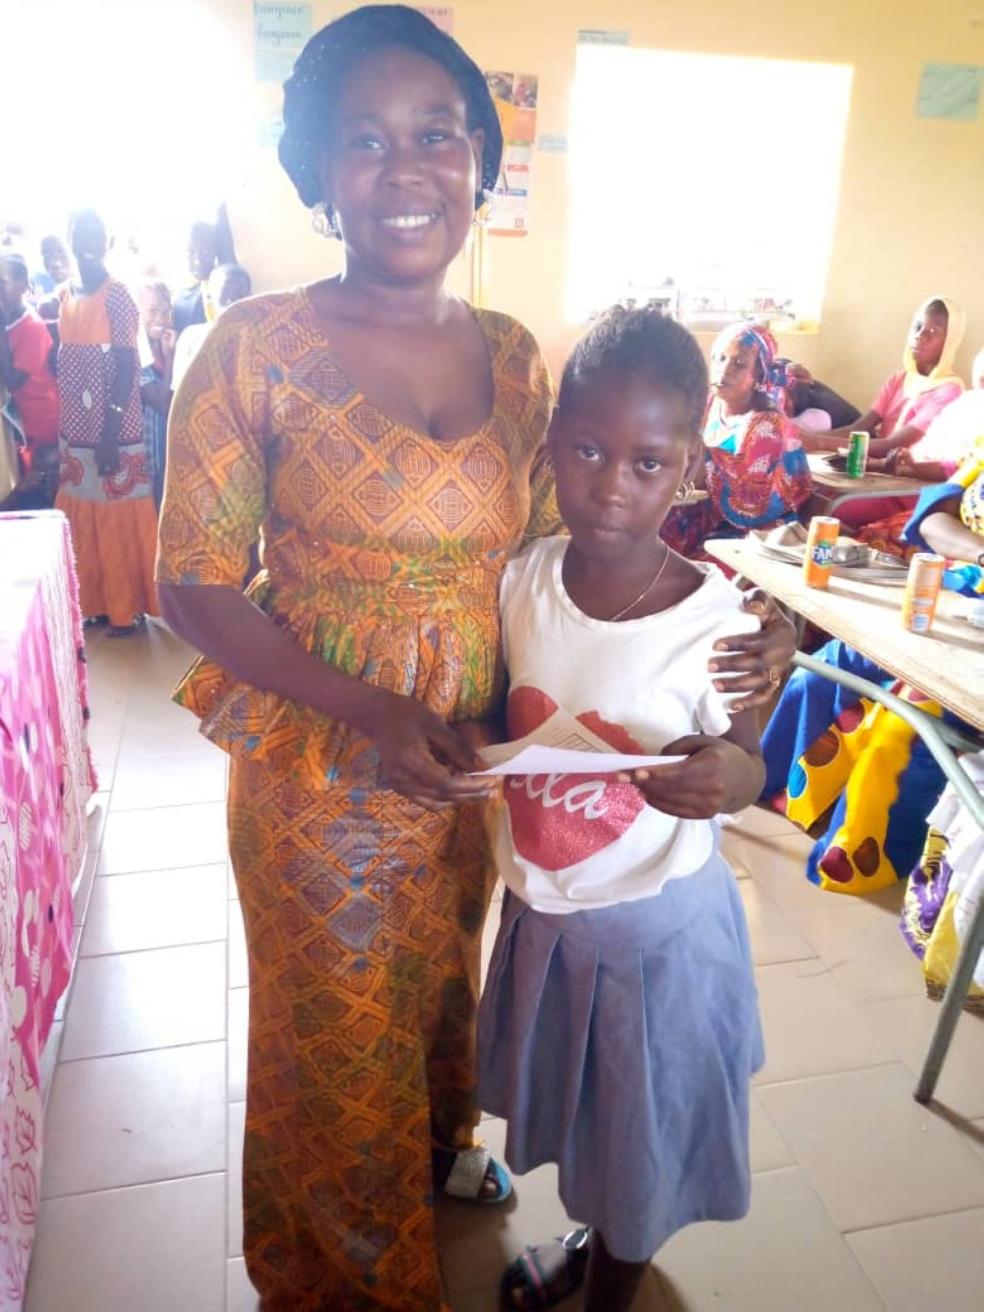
(863, 1200)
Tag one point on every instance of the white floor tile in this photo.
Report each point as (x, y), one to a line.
(937, 1262)
(811, 1026)
(773, 938)
(786, 1254)
(240, 1294)
(874, 1155)
(170, 779)
(157, 909)
(908, 1024)
(134, 1119)
(152, 1248)
(140, 1000)
(162, 838)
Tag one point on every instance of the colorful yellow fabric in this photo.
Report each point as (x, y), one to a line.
(864, 756)
(382, 551)
(970, 477)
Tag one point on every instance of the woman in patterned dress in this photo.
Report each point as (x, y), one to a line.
(105, 485)
(384, 443)
(754, 467)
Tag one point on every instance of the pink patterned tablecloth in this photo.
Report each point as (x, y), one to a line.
(46, 780)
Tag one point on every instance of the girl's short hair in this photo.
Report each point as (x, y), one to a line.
(645, 342)
(312, 91)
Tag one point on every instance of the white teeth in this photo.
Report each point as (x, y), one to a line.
(409, 220)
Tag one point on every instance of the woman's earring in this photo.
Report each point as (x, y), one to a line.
(685, 491)
(483, 201)
(324, 220)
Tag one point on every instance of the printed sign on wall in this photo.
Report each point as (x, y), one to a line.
(515, 96)
(279, 33)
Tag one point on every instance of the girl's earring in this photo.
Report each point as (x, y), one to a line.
(324, 220)
(685, 491)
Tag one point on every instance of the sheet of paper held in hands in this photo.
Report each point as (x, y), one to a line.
(563, 745)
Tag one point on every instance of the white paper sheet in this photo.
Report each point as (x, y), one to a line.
(534, 758)
(563, 745)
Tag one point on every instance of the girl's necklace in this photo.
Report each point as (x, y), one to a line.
(646, 590)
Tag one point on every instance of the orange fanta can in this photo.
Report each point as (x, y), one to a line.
(819, 558)
(922, 588)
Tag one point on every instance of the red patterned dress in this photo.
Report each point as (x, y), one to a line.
(756, 476)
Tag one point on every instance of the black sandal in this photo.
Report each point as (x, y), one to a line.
(527, 1283)
(126, 630)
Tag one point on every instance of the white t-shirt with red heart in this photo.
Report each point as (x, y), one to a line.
(573, 842)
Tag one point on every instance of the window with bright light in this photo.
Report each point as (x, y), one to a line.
(708, 182)
(140, 110)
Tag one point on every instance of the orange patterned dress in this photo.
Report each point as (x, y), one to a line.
(382, 551)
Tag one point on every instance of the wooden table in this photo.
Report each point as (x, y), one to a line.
(835, 487)
(946, 664)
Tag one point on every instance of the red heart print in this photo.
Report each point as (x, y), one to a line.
(560, 820)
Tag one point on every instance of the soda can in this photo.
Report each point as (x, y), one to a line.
(819, 558)
(922, 588)
(857, 455)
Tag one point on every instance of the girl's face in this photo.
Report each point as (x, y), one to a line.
(155, 311)
(734, 373)
(621, 449)
(402, 172)
(927, 337)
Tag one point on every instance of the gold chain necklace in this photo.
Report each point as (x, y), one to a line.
(646, 590)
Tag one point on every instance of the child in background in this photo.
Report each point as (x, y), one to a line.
(26, 350)
(227, 284)
(156, 364)
(619, 1027)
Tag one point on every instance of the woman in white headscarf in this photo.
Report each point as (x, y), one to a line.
(912, 397)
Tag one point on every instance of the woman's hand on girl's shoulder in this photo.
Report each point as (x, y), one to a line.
(758, 660)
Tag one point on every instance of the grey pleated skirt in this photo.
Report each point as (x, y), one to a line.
(619, 1044)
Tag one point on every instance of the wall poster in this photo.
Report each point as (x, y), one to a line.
(515, 96)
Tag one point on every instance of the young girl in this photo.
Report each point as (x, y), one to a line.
(619, 1027)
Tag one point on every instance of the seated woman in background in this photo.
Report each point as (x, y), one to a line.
(911, 398)
(955, 435)
(826, 747)
(949, 519)
(754, 466)
(952, 436)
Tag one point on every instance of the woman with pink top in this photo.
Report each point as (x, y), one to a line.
(956, 434)
(906, 405)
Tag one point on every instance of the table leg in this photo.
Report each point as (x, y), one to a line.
(935, 735)
(953, 1000)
